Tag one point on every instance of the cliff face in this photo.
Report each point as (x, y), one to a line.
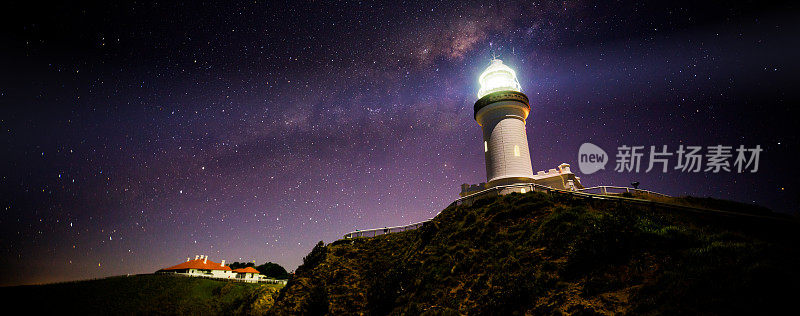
(541, 254)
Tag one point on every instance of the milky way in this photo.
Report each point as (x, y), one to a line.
(139, 135)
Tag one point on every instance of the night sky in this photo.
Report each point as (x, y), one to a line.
(136, 135)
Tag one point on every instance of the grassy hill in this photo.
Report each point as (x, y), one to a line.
(542, 254)
(142, 294)
(518, 254)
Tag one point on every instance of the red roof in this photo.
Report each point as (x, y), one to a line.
(198, 264)
(246, 270)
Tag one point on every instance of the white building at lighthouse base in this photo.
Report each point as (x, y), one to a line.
(560, 177)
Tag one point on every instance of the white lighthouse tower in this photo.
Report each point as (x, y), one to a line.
(501, 111)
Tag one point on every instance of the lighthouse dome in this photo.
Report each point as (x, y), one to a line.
(498, 77)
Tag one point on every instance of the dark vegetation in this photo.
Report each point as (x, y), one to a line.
(273, 270)
(543, 254)
(142, 294)
(270, 269)
(239, 265)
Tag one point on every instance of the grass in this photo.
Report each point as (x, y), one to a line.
(143, 294)
(517, 254)
(540, 254)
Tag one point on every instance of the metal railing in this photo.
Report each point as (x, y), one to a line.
(504, 189)
(498, 190)
(609, 193)
(607, 190)
(380, 231)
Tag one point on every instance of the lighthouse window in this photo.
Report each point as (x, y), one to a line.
(485, 146)
(516, 150)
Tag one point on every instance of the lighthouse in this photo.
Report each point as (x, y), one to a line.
(501, 111)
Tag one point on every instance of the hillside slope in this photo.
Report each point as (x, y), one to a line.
(542, 254)
(142, 294)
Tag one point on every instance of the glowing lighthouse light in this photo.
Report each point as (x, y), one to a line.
(498, 77)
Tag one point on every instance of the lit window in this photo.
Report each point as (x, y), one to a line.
(516, 150)
(522, 190)
(485, 146)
